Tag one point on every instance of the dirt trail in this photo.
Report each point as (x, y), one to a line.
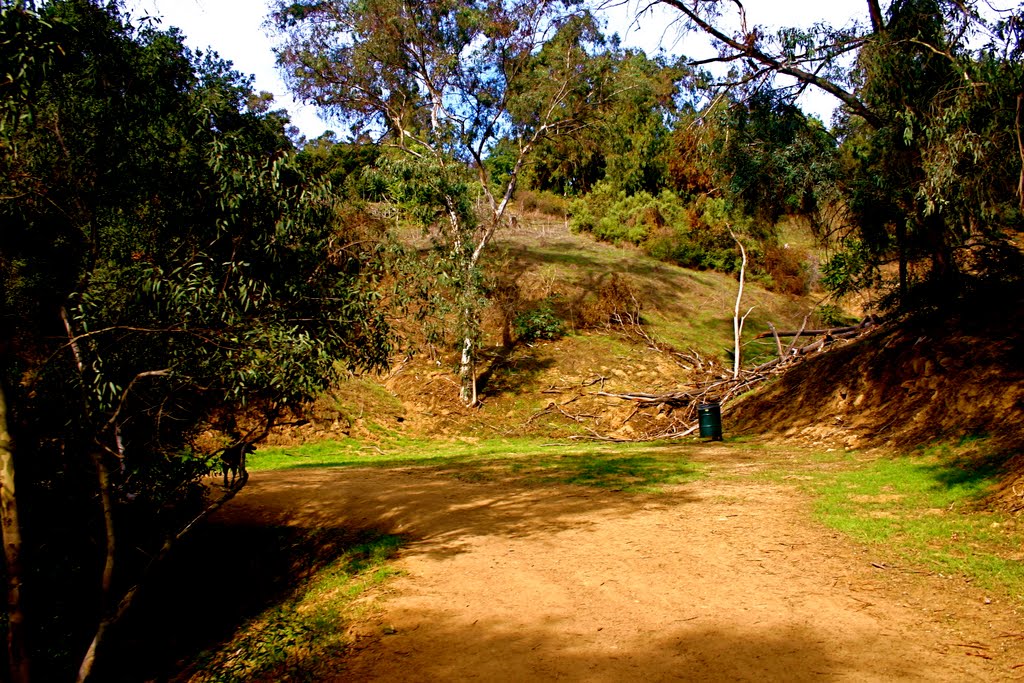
(723, 579)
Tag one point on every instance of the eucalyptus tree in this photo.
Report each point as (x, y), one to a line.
(772, 160)
(163, 258)
(443, 81)
(929, 95)
(628, 142)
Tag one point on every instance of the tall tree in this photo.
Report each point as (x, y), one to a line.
(443, 82)
(627, 143)
(163, 257)
(928, 90)
(772, 159)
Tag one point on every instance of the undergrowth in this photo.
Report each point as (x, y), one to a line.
(293, 638)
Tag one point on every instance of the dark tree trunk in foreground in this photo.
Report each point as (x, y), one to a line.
(17, 655)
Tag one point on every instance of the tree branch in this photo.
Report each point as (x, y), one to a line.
(750, 50)
(875, 12)
(1020, 148)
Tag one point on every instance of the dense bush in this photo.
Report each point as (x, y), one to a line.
(617, 304)
(164, 257)
(547, 203)
(538, 323)
(613, 216)
(786, 269)
(693, 236)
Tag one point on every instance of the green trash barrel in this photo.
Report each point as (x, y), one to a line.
(709, 416)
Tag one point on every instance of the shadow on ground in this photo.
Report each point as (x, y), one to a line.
(260, 548)
(220, 577)
(692, 650)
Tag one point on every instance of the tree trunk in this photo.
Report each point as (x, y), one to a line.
(107, 580)
(737, 321)
(467, 372)
(901, 246)
(1020, 149)
(945, 274)
(17, 653)
(875, 12)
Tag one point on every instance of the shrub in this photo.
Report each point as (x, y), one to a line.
(693, 236)
(830, 315)
(614, 216)
(787, 269)
(547, 203)
(617, 304)
(538, 323)
(700, 248)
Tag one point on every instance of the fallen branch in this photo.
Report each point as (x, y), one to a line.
(828, 331)
(803, 326)
(679, 397)
(721, 386)
(778, 342)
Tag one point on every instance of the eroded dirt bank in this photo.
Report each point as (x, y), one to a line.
(725, 578)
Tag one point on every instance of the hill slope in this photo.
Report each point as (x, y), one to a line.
(959, 380)
(631, 323)
(904, 385)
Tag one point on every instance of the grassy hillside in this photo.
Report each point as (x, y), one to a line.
(629, 323)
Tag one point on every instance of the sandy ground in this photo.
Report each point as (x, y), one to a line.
(724, 579)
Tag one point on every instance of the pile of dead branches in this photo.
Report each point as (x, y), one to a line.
(711, 382)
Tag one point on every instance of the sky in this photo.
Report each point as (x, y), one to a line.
(235, 29)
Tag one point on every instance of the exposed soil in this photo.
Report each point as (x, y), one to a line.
(908, 384)
(726, 578)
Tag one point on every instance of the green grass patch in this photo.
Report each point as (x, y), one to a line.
(293, 639)
(628, 467)
(925, 510)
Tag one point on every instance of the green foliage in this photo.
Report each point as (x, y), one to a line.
(774, 161)
(831, 315)
(438, 198)
(292, 639)
(849, 270)
(434, 194)
(732, 168)
(694, 237)
(930, 188)
(496, 83)
(28, 50)
(538, 323)
(164, 256)
(627, 144)
(463, 91)
(762, 157)
(341, 163)
(615, 216)
(923, 178)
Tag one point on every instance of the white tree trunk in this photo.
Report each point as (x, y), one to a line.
(737, 321)
(467, 372)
